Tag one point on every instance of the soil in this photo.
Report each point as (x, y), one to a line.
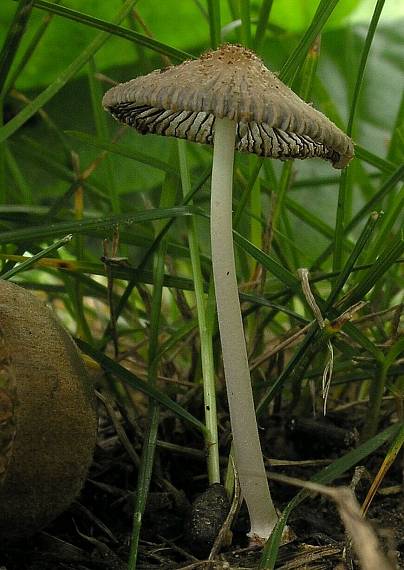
(95, 532)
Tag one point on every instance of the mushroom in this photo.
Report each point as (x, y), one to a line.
(47, 415)
(228, 98)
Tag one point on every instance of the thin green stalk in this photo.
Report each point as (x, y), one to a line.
(392, 214)
(283, 187)
(245, 14)
(113, 28)
(29, 51)
(376, 390)
(246, 195)
(349, 265)
(18, 176)
(136, 383)
(100, 119)
(292, 253)
(345, 187)
(393, 250)
(263, 18)
(150, 439)
(214, 23)
(12, 40)
(296, 58)
(385, 166)
(309, 70)
(88, 225)
(25, 265)
(362, 65)
(256, 215)
(145, 469)
(306, 82)
(234, 7)
(345, 182)
(271, 265)
(396, 153)
(371, 204)
(205, 332)
(83, 329)
(3, 194)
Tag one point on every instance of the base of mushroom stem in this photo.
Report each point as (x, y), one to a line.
(288, 535)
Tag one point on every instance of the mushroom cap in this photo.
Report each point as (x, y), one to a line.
(232, 82)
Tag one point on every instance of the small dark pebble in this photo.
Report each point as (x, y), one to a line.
(208, 513)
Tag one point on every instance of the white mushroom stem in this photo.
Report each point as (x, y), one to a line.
(247, 448)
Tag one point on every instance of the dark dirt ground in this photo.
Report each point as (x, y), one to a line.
(95, 533)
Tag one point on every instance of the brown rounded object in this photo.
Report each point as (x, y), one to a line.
(47, 415)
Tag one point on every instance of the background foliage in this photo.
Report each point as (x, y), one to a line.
(66, 167)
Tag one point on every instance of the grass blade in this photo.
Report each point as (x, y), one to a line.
(395, 152)
(214, 23)
(138, 384)
(122, 150)
(370, 205)
(314, 221)
(28, 263)
(267, 261)
(14, 124)
(25, 58)
(13, 39)
(113, 29)
(345, 182)
(362, 65)
(357, 250)
(388, 256)
(326, 476)
(389, 219)
(381, 164)
(150, 439)
(263, 18)
(101, 125)
(86, 226)
(245, 29)
(296, 58)
(205, 334)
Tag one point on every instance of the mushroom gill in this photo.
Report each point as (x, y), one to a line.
(254, 137)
